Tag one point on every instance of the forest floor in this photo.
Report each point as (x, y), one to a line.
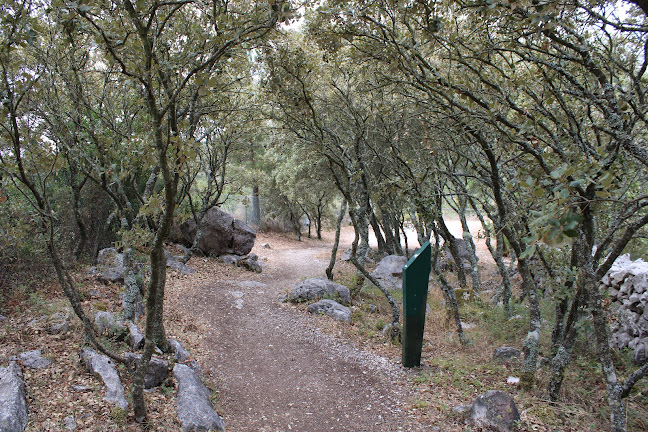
(272, 367)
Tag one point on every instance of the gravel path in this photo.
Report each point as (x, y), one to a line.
(277, 372)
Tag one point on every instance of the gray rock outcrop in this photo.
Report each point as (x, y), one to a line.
(157, 370)
(14, 413)
(110, 266)
(318, 288)
(627, 284)
(495, 410)
(389, 271)
(220, 234)
(332, 308)
(33, 359)
(194, 409)
(102, 366)
(181, 355)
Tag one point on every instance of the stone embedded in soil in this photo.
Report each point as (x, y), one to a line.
(13, 399)
(389, 271)
(495, 410)
(194, 408)
(181, 354)
(135, 338)
(107, 323)
(332, 308)
(505, 353)
(317, 288)
(70, 423)
(33, 359)
(156, 372)
(101, 365)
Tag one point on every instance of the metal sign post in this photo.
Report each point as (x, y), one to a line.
(416, 275)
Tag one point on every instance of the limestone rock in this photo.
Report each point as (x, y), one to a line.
(194, 409)
(317, 288)
(13, 400)
(135, 338)
(70, 423)
(157, 370)
(389, 271)
(505, 353)
(110, 266)
(103, 367)
(496, 410)
(181, 354)
(220, 234)
(173, 263)
(58, 323)
(106, 322)
(33, 359)
(332, 308)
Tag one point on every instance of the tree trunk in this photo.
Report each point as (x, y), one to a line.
(338, 229)
(255, 218)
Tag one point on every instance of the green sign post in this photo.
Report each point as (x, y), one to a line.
(416, 275)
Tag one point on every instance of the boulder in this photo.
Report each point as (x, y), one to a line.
(317, 288)
(13, 400)
(389, 271)
(193, 405)
(102, 366)
(332, 308)
(220, 234)
(495, 410)
(156, 372)
(33, 359)
(505, 353)
(110, 266)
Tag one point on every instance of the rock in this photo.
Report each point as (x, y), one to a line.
(447, 260)
(81, 388)
(181, 354)
(135, 338)
(346, 256)
(220, 234)
(505, 353)
(332, 308)
(110, 266)
(58, 328)
(70, 423)
(266, 245)
(193, 406)
(103, 367)
(14, 413)
(641, 352)
(33, 359)
(156, 372)
(389, 271)
(496, 410)
(3, 318)
(317, 288)
(107, 323)
(251, 263)
(462, 409)
(229, 259)
(173, 263)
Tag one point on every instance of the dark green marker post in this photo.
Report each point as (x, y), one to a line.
(416, 275)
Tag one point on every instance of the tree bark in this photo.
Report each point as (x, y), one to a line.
(338, 229)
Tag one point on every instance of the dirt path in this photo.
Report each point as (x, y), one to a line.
(276, 371)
